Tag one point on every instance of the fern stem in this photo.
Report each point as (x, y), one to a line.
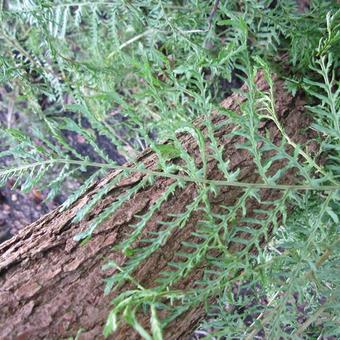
(335, 187)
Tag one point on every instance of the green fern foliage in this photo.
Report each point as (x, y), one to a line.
(135, 75)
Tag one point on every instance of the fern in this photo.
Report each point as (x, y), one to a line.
(137, 73)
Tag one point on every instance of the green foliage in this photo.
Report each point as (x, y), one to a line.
(138, 73)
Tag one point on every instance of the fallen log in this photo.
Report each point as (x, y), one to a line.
(51, 286)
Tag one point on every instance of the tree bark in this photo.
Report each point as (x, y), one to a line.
(51, 286)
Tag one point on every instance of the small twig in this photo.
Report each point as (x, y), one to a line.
(212, 13)
(130, 41)
(210, 19)
(10, 111)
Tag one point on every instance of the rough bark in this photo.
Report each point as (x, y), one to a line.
(50, 286)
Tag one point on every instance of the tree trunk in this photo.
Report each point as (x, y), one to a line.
(51, 286)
